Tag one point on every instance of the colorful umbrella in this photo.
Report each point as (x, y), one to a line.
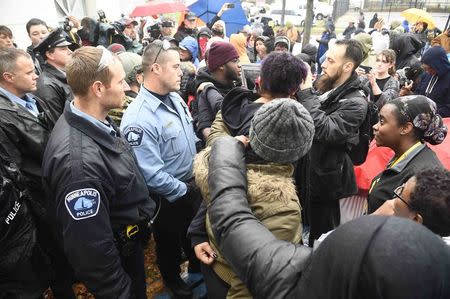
(156, 8)
(234, 18)
(414, 15)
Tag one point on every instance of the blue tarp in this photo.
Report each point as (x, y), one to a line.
(234, 18)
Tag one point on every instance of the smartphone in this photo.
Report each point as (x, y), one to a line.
(230, 5)
(366, 69)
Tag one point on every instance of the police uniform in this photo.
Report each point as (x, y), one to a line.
(52, 83)
(100, 203)
(161, 133)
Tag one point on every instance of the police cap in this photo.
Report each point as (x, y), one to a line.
(53, 40)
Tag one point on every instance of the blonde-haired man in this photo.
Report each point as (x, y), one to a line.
(98, 197)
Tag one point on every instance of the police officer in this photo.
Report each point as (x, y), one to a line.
(158, 126)
(98, 197)
(24, 120)
(52, 83)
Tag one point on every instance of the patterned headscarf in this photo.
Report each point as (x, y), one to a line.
(421, 112)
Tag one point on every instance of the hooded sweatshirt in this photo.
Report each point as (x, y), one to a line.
(189, 43)
(240, 44)
(437, 87)
(406, 46)
(368, 53)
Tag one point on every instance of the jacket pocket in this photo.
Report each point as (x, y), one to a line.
(171, 141)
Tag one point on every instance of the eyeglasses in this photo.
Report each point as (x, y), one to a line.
(399, 191)
(164, 45)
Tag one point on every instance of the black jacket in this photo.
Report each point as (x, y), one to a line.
(384, 184)
(406, 46)
(337, 121)
(96, 190)
(29, 135)
(183, 32)
(269, 267)
(209, 100)
(52, 87)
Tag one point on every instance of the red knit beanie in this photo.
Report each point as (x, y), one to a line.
(219, 54)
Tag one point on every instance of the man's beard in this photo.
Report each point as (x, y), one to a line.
(325, 83)
(230, 75)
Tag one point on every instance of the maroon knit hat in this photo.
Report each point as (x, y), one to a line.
(219, 54)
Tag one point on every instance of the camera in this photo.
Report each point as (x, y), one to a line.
(230, 5)
(101, 16)
(407, 74)
(67, 25)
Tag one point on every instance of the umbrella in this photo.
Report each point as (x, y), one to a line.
(156, 8)
(414, 15)
(234, 18)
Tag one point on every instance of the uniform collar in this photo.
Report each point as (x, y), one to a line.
(99, 135)
(153, 101)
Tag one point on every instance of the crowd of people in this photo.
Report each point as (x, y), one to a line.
(115, 132)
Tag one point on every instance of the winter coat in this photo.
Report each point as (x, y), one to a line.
(383, 185)
(29, 134)
(235, 117)
(23, 266)
(437, 87)
(52, 87)
(406, 46)
(183, 32)
(273, 200)
(209, 100)
(337, 121)
(270, 268)
(390, 91)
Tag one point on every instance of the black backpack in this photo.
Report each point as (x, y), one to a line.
(358, 153)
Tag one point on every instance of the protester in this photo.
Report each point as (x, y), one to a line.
(187, 27)
(273, 268)
(263, 46)
(349, 30)
(421, 32)
(37, 31)
(361, 22)
(274, 146)
(158, 126)
(424, 198)
(132, 65)
(52, 84)
(96, 202)
(308, 55)
(189, 50)
(251, 51)
(323, 44)
(204, 34)
(292, 34)
(443, 40)
(6, 37)
(239, 42)
(189, 63)
(282, 44)
(384, 87)
(337, 124)
(369, 56)
(406, 46)
(166, 27)
(213, 84)
(435, 83)
(405, 124)
(373, 21)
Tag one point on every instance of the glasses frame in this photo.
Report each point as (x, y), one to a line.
(398, 191)
(164, 45)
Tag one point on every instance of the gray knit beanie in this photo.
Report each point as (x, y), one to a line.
(282, 131)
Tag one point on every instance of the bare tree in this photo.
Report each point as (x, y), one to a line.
(283, 12)
(308, 22)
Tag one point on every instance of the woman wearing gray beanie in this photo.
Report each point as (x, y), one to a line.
(281, 132)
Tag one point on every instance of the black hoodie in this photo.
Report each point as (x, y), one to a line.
(406, 46)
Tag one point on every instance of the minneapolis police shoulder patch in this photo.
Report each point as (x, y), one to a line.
(83, 203)
(134, 135)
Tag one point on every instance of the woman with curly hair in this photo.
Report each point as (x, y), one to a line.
(405, 125)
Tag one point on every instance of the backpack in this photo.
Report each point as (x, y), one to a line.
(358, 153)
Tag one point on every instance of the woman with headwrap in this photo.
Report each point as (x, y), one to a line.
(371, 257)
(404, 125)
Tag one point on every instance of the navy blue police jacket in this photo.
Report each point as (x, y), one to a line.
(95, 190)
